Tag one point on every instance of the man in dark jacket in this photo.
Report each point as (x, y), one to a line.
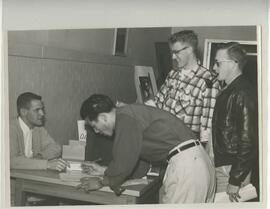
(234, 122)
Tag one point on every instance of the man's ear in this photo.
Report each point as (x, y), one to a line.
(23, 111)
(102, 117)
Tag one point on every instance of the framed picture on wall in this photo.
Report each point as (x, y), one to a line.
(250, 69)
(120, 42)
(145, 83)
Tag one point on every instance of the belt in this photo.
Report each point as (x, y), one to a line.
(181, 149)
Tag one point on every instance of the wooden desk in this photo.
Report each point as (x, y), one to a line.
(49, 183)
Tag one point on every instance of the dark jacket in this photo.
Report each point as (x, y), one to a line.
(235, 129)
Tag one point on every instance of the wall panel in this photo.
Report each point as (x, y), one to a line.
(65, 81)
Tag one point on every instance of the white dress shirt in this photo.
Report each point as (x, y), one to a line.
(27, 136)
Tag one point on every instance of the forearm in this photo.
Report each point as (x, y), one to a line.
(114, 182)
(242, 166)
(207, 115)
(247, 143)
(22, 162)
(51, 151)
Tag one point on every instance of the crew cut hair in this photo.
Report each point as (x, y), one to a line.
(94, 105)
(24, 100)
(186, 36)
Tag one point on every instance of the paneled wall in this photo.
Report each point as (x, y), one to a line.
(66, 66)
(64, 78)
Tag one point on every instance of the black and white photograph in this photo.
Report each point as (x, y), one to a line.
(156, 115)
(146, 88)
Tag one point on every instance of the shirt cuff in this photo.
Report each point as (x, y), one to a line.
(206, 135)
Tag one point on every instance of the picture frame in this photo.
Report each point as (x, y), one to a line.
(120, 42)
(145, 83)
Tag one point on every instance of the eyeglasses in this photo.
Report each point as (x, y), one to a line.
(220, 61)
(178, 51)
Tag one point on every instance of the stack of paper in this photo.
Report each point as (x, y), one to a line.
(246, 193)
(74, 153)
(72, 176)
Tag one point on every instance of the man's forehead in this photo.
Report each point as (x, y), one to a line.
(221, 54)
(36, 104)
(177, 45)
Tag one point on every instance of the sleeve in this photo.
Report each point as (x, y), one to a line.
(163, 92)
(126, 150)
(209, 95)
(49, 149)
(246, 150)
(17, 157)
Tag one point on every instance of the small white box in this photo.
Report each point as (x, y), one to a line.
(74, 166)
(82, 133)
(76, 153)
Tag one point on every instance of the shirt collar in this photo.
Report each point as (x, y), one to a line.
(188, 72)
(24, 127)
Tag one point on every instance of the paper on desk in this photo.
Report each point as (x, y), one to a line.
(131, 182)
(73, 176)
(247, 192)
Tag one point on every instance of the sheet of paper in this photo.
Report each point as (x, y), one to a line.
(247, 193)
(73, 176)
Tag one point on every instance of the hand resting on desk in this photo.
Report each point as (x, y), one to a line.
(93, 168)
(90, 184)
(57, 164)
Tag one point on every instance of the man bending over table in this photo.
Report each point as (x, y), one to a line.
(154, 135)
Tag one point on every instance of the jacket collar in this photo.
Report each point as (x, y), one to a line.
(233, 83)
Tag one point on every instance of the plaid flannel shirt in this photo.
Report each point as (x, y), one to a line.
(191, 98)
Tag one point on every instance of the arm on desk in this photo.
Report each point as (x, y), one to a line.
(21, 162)
(49, 148)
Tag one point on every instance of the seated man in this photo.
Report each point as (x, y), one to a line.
(31, 147)
(154, 135)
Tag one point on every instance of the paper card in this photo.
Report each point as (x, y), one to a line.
(76, 143)
(73, 152)
(82, 133)
(247, 192)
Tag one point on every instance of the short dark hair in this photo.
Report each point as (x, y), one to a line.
(24, 100)
(186, 36)
(235, 52)
(96, 104)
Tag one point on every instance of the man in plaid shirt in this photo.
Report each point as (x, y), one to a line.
(190, 90)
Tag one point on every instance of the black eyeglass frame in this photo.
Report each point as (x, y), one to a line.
(175, 52)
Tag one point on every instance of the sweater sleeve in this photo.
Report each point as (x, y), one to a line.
(49, 149)
(163, 93)
(17, 157)
(209, 95)
(126, 150)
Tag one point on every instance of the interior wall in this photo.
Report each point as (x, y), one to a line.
(142, 50)
(64, 83)
(66, 66)
(97, 41)
(140, 45)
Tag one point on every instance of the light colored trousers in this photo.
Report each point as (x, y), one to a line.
(189, 177)
(223, 175)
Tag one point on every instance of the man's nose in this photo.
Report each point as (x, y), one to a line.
(41, 112)
(173, 56)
